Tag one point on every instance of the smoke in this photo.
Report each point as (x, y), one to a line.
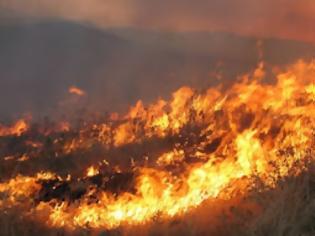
(51, 48)
(288, 19)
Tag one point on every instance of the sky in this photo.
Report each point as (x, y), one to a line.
(285, 19)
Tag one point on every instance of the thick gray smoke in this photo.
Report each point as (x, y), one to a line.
(121, 51)
(290, 19)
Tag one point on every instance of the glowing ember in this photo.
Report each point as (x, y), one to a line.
(204, 144)
(92, 171)
(76, 91)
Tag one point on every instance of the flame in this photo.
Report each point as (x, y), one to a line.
(222, 140)
(92, 171)
(76, 91)
(16, 129)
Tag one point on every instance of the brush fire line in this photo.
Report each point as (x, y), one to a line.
(163, 159)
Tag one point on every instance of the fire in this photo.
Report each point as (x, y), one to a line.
(16, 129)
(216, 141)
(311, 91)
(76, 91)
(92, 171)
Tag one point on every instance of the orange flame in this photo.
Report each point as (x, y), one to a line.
(92, 171)
(76, 91)
(252, 130)
(17, 129)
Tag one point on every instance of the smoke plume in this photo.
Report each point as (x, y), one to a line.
(288, 19)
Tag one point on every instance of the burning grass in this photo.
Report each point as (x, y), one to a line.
(221, 162)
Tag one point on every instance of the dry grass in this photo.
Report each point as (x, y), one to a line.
(288, 210)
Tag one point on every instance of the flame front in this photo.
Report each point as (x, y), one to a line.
(221, 140)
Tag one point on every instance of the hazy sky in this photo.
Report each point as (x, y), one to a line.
(289, 19)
